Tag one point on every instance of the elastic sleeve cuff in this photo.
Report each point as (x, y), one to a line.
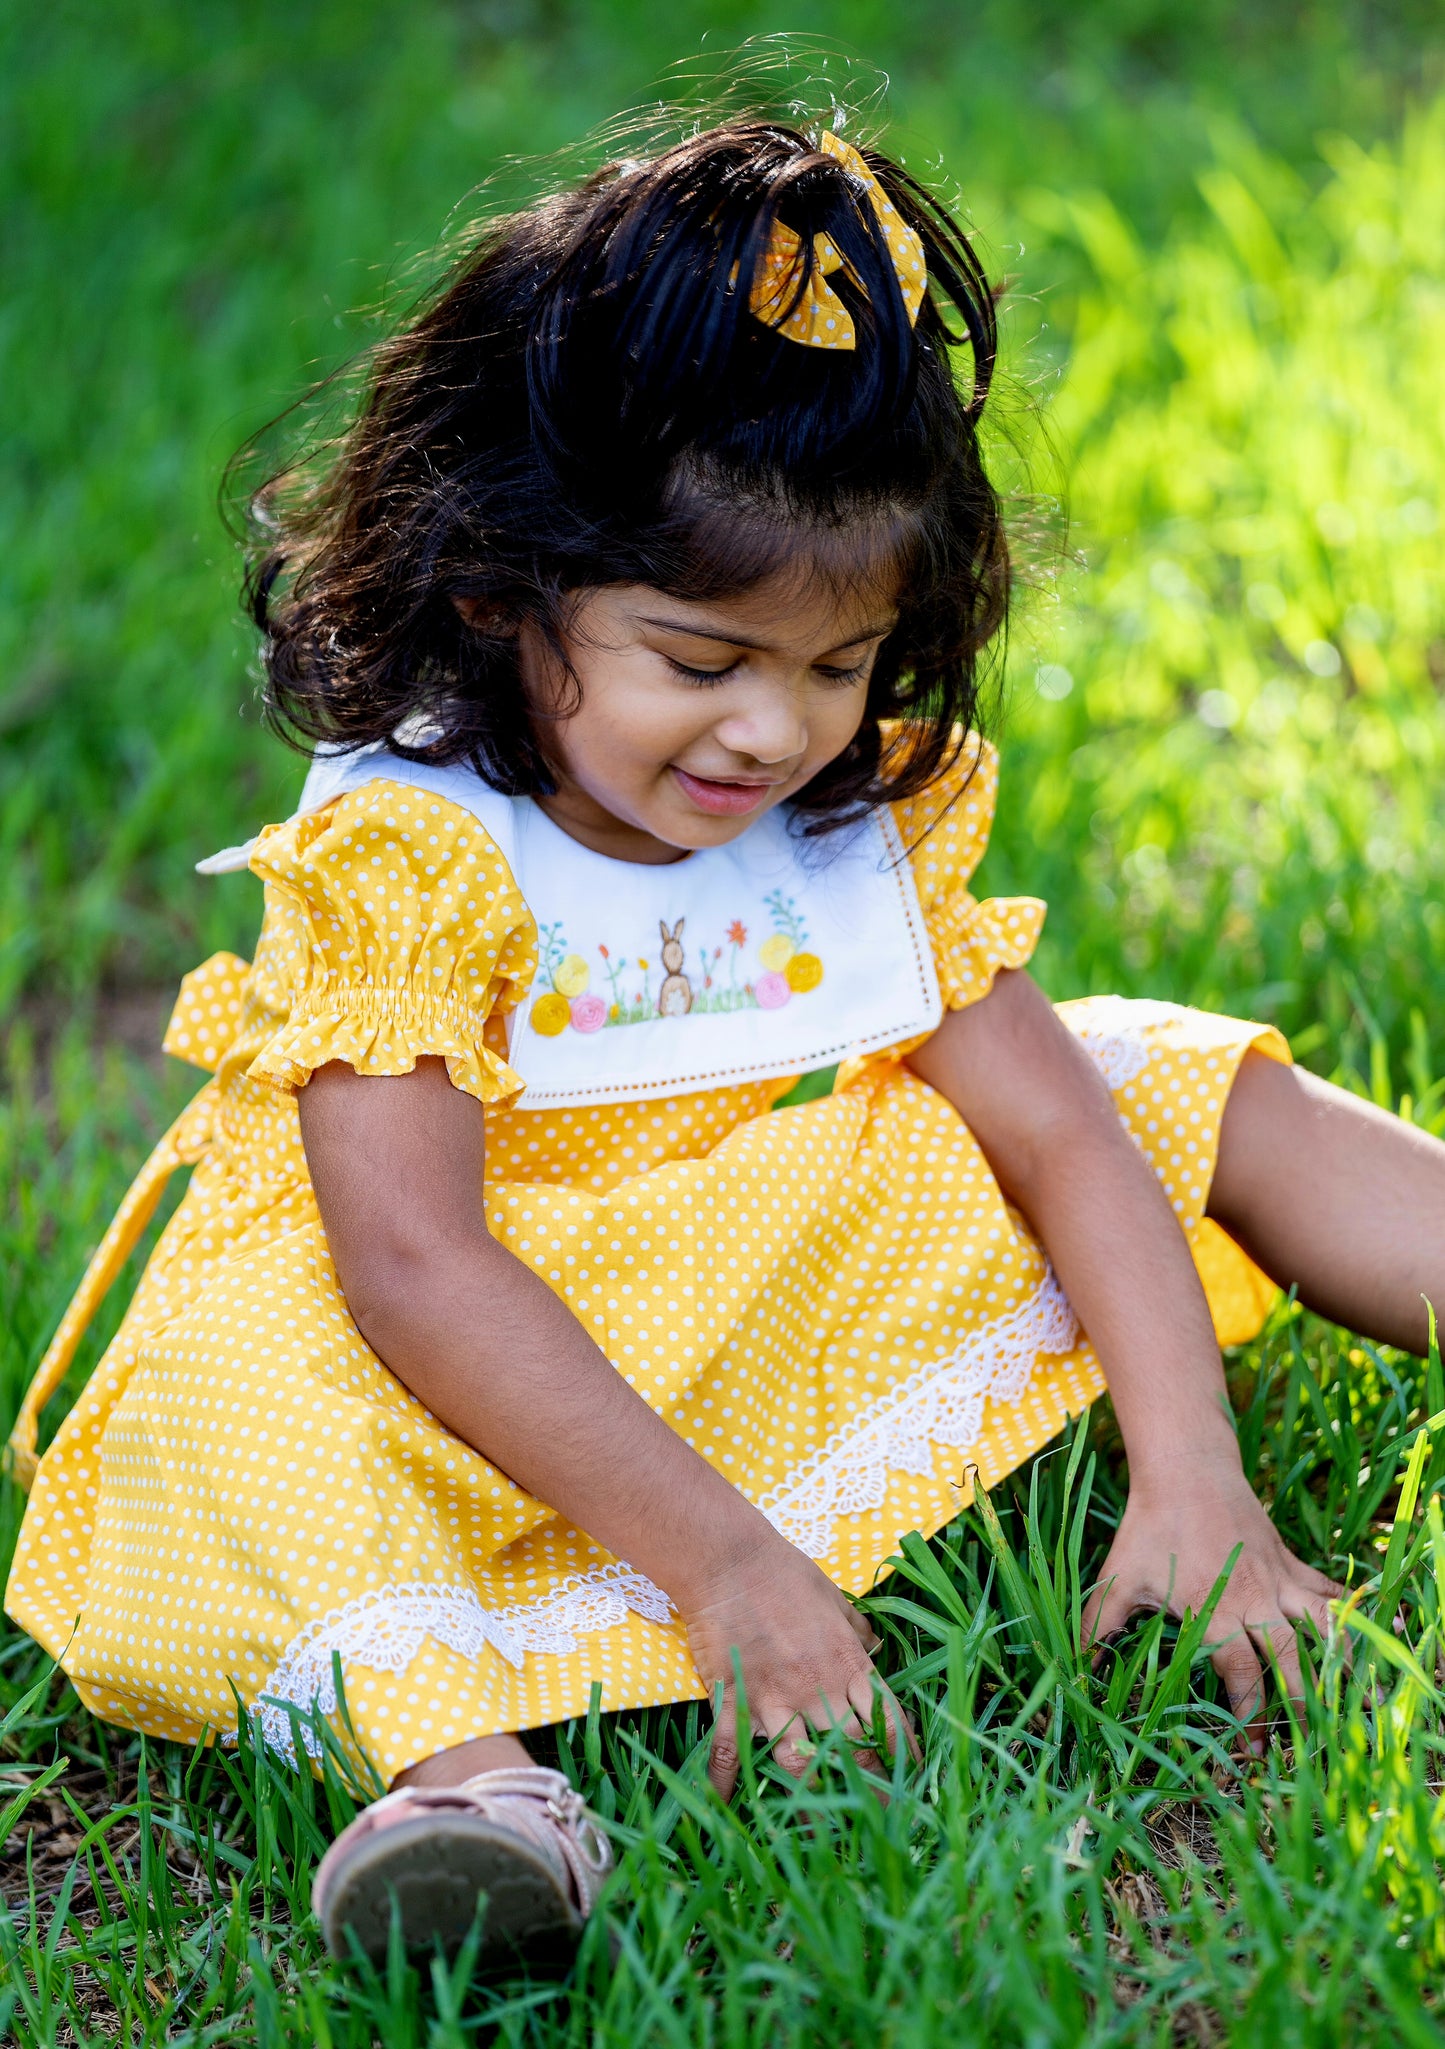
(383, 1031)
(1000, 932)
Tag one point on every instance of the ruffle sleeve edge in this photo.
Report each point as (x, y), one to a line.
(973, 940)
(383, 1031)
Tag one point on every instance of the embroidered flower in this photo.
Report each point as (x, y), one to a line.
(788, 970)
(551, 1014)
(614, 973)
(787, 921)
(551, 949)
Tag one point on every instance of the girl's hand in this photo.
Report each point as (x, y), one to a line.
(803, 1649)
(1173, 1543)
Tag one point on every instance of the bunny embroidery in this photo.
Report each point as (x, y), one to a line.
(674, 998)
(784, 967)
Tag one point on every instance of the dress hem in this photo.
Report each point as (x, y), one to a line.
(942, 1404)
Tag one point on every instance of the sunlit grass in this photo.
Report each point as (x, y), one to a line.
(204, 202)
(1226, 749)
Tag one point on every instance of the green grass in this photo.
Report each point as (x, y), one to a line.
(1236, 798)
(203, 201)
(1223, 756)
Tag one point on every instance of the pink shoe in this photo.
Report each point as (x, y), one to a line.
(521, 1836)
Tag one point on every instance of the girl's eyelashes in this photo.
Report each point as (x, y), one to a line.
(706, 676)
(698, 675)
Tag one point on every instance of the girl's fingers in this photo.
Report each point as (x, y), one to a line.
(1110, 1608)
(1316, 1611)
(853, 1716)
(784, 1733)
(1243, 1679)
(723, 1758)
(792, 1738)
(868, 1692)
(1311, 1602)
(863, 1629)
(795, 1754)
(1280, 1642)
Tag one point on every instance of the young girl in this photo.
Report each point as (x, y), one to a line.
(509, 1341)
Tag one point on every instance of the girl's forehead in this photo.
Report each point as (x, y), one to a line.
(781, 610)
(782, 558)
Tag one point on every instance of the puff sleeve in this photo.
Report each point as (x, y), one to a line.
(947, 828)
(398, 931)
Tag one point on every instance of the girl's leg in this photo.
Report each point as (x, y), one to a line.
(1330, 1195)
(450, 1767)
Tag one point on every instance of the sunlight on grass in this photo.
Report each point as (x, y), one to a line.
(1226, 776)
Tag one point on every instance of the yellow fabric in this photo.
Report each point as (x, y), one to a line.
(947, 828)
(207, 1012)
(812, 1296)
(397, 935)
(803, 306)
(1240, 1296)
(183, 1144)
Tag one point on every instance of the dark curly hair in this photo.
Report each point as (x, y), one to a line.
(586, 400)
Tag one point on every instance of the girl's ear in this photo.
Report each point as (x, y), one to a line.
(484, 615)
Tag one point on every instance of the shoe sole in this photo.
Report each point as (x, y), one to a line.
(436, 1870)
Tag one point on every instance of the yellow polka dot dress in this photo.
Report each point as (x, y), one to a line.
(832, 1302)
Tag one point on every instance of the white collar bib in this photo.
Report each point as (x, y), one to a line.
(748, 962)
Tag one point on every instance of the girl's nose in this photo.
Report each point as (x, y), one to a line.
(766, 724)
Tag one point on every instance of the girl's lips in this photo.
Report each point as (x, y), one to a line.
(723, 800)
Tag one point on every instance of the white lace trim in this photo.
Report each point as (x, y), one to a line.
(383, 1629)
(1111, 1035)
(940, 1404)
(1119, 1057)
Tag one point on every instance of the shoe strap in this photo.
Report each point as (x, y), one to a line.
(550, 1811)
(539, 1805)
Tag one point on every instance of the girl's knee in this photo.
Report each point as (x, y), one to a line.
(1254, 1131)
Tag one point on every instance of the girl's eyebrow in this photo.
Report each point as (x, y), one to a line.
(711, 632)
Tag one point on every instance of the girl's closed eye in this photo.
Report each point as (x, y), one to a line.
(854, 674)
(704, 676)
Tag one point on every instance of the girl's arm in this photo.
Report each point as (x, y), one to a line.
(1049, 1130)
(397, 1166)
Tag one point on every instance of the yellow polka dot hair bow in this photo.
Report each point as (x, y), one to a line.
(820, 318)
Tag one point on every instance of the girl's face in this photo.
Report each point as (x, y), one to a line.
(697, 718)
